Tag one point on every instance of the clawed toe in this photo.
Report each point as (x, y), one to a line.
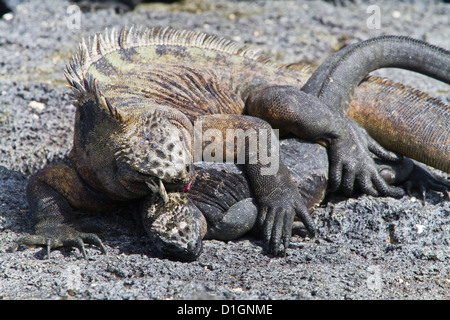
(53, 242)
(422, 180)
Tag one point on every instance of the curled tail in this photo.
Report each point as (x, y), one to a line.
(400, 118)
(336, 79)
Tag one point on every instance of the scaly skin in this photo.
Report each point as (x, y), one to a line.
(142, 98)
(409, 135)
(225, 199)
(333, 82)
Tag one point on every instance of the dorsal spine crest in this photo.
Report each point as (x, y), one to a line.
(103, 43)
(84, 86)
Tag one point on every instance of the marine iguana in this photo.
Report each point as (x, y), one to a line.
(140, 96)
(225, 199)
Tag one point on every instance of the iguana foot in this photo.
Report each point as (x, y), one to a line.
(61, 236)
(425, 181)
(276, 218)
(277, 211)
(352, 164)
(413, 176)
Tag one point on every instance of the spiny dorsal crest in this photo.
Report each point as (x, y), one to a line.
(411, 93)
(86, 88)
(100, 45)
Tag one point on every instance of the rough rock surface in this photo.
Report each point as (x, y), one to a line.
(366, 248)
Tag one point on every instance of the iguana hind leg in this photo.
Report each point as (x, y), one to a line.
(413, 175)
(350, 148)
(225, 198)
(53, 193)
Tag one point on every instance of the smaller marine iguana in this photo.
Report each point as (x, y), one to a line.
(230, 210)
(140, 96)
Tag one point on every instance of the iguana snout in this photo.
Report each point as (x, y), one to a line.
(175, 226)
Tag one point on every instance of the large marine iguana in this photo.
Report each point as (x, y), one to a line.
(140, 94)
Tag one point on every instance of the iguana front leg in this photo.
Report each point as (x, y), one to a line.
(53, 193)
(277, 195)
(349, 146)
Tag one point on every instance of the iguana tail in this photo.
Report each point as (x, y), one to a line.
(400, 118)
(335, 80)
(404, 120)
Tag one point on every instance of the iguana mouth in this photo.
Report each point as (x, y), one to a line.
(187, 187)
(161, 189)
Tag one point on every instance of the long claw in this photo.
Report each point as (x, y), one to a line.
(56, 241)
(94, 240)
(163, 192)
(158, 189)
(77, 243)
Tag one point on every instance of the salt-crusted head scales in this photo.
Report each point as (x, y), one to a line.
(153, 145)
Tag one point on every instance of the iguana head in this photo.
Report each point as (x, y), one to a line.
(176, 226)
(155, 148)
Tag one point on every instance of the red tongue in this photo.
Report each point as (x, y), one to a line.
(187, 187)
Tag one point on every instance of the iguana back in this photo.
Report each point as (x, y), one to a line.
(193, 72)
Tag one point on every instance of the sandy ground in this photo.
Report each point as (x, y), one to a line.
(367, 248)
